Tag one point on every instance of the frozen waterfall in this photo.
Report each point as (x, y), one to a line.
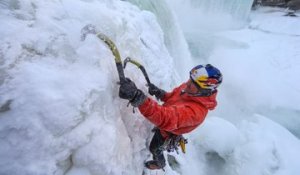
(200, 20)
(173, 36)
(203, 15)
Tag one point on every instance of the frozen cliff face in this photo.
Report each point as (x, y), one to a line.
(59, 102)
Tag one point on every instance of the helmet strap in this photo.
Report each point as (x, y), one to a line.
(202, 93)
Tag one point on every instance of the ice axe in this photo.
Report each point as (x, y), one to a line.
(128, 59)
(91, 29)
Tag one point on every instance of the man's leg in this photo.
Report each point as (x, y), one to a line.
(158, 161)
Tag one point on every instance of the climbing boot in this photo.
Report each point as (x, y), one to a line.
(154, 165)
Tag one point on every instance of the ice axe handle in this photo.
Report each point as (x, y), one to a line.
(128, 59)
(145, 74)
(121, 72)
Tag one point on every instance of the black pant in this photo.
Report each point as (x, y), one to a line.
(156, 147)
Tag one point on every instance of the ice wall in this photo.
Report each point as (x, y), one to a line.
(59, 107)
(173, 36)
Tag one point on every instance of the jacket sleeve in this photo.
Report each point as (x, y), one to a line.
(169, 118)
(166, 96)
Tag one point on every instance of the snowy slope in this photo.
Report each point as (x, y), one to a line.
(255, 147)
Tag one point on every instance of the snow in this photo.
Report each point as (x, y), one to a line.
(65, 112)
(265, 66)
(65, 116)
(173, 35)
(259, 146)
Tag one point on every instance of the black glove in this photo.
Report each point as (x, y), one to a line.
(129, 91)
(158, 93)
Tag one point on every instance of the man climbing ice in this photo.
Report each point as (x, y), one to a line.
(183, 110)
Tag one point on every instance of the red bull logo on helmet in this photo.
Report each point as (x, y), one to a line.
(206, 77)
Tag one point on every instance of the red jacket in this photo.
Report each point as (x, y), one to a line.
(180, 113)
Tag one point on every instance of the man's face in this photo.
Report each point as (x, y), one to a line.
(191, 87)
